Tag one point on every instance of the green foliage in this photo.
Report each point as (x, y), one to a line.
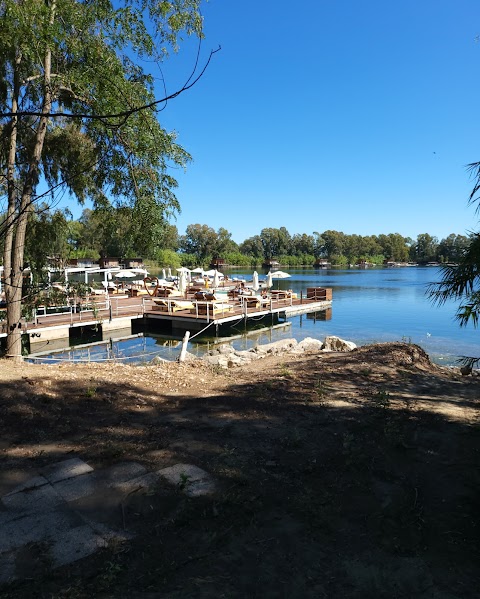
(297, 260)
(252, 247)
(77, 108)
(166, 258)
(47, 243)
(460, 283)
(239, 259)
(425, 249)
(199, 240)
(394, 247)
(190, 261)
(127, 232)
(275, 242)
(452, 248)
(205, 243)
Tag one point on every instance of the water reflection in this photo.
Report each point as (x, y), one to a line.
(372, 305)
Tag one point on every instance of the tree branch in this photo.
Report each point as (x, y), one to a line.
(121, 115)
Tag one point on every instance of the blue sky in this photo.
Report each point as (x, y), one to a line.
(330, 114)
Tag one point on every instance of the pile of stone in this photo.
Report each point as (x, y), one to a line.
(226, 356)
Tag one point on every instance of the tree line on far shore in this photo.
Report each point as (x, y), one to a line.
(54, 237)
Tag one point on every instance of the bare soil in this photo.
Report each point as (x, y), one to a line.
(339, 475)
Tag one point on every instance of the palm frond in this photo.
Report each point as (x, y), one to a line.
(462, 281)
(474, 169)
(468, 361)
(469, 312)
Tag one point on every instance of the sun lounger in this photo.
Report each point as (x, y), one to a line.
(167, 305)
(211, 308)
(281, 294)
(165, 292)
(94, 291)
(252, 302)
(205, 296)
(137, 292)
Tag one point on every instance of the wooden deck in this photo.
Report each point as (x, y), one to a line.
(118, 312)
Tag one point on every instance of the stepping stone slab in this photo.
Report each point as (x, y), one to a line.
(65, 470)
(35, 499)
(31, 483)
(75, 488)
(192, 480)
(140, 482)
(34, 528)
(74, 544)
(121, 472)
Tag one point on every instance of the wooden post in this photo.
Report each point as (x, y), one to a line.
(184, 346)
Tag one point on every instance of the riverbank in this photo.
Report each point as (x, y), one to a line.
(336, 474)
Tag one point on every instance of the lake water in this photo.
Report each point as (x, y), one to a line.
(371, 305)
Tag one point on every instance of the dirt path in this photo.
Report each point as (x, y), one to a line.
(338, 475)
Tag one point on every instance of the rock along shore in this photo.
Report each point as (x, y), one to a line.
(228, 357)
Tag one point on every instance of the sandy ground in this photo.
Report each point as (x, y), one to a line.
(338, 475)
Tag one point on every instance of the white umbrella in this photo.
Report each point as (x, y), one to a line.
(185, 276)
(255, 285)
(269, 280)
(216, 280)
(164, 276)
(162, 282)
(279, 274)
(199, 270)
(125, 274)
(169, 273)
(182, 282)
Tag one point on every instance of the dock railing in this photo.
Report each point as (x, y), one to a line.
(74, 311)
(90, 310)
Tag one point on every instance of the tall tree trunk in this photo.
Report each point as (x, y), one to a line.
(10, 280)
(15, 248)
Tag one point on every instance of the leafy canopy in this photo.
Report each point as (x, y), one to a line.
(98, 49)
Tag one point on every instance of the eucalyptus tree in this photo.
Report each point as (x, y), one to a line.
(225, 244)
(425, 248)
(319, 243)
(169, 237)
(275, 242)
(130, 231)
(199, 240)
(334, 244)
(252, 246)
(394, 247)
(303, 244)
(453, 247)
(78, 110)
(47, 242)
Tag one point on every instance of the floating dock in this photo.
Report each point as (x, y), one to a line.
(109, 317)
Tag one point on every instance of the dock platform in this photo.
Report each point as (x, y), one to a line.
(173, 316)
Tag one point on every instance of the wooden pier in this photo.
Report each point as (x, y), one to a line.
(171, 316)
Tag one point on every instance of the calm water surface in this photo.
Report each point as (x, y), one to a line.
(371, 305)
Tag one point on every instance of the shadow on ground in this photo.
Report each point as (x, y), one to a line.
(348, 477)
